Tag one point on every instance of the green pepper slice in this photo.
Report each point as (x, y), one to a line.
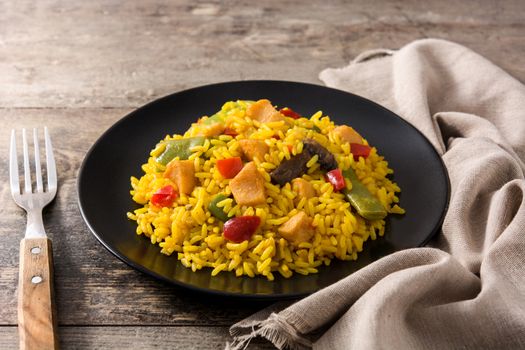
(221, 115)
(216, 118)
(215, 210)
(361, 199)
(179, 148)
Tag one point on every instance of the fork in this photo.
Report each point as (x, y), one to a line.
(36, 310)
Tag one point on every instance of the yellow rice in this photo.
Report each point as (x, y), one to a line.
(339, 231)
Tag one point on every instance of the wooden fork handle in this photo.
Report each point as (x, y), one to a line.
(36, 309)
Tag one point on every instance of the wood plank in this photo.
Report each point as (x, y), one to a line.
(82, 54)
(92, 286)
(139, 338)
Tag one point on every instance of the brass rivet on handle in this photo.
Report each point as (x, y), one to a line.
(35, 250)
(36, 279)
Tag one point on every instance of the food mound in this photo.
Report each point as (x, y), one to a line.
(256, 190)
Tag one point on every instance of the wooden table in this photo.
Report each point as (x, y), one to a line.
(78, 67)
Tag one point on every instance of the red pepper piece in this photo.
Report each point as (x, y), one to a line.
(229, 167)
(288, 112)
(230, 132)
(335, 177)
(359, 150)
(164, 197)
(241, 228)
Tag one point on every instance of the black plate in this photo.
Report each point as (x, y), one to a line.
(103, 181)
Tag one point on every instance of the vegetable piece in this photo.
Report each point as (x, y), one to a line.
(361, 199)
(291, 168)
(182, 172)
(248, 186)
(335, 177)
(348, 134)
(241, 228)
(229, 167)
(230, 132)
(215, 210)
(297, 229)
(264, 112)
(179, 148)
(214, 119)
(164, 197)
(326, 159)
(222, 115)
(303, 188)
(290, 113)
(254, 148)
(359, 150)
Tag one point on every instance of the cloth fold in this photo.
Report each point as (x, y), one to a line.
(466, 289)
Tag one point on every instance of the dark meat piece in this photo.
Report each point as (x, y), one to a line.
(296, 165)
(326, 159)
(291, 168)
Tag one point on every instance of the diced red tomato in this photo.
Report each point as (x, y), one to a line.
(164, 197)
(290, 113)
(241, 228)
(335, 177)
(230, 132)
(359, 150)
(229, 167)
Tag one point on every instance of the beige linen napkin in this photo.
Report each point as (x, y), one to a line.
(466, 290)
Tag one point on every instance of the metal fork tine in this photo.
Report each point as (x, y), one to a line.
(50, 159)
(27, 169)
(38, 168)
(13, 166)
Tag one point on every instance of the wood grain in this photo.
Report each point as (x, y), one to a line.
(78, 67)
(119, 54)
(36, 309)
(137, 338)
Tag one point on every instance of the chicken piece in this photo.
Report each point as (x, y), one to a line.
(210, 130)
(297, 229)
(254, 148)
(248, 186)
(264, 112)
(182, 173)
(348, 134)
(303, 188)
